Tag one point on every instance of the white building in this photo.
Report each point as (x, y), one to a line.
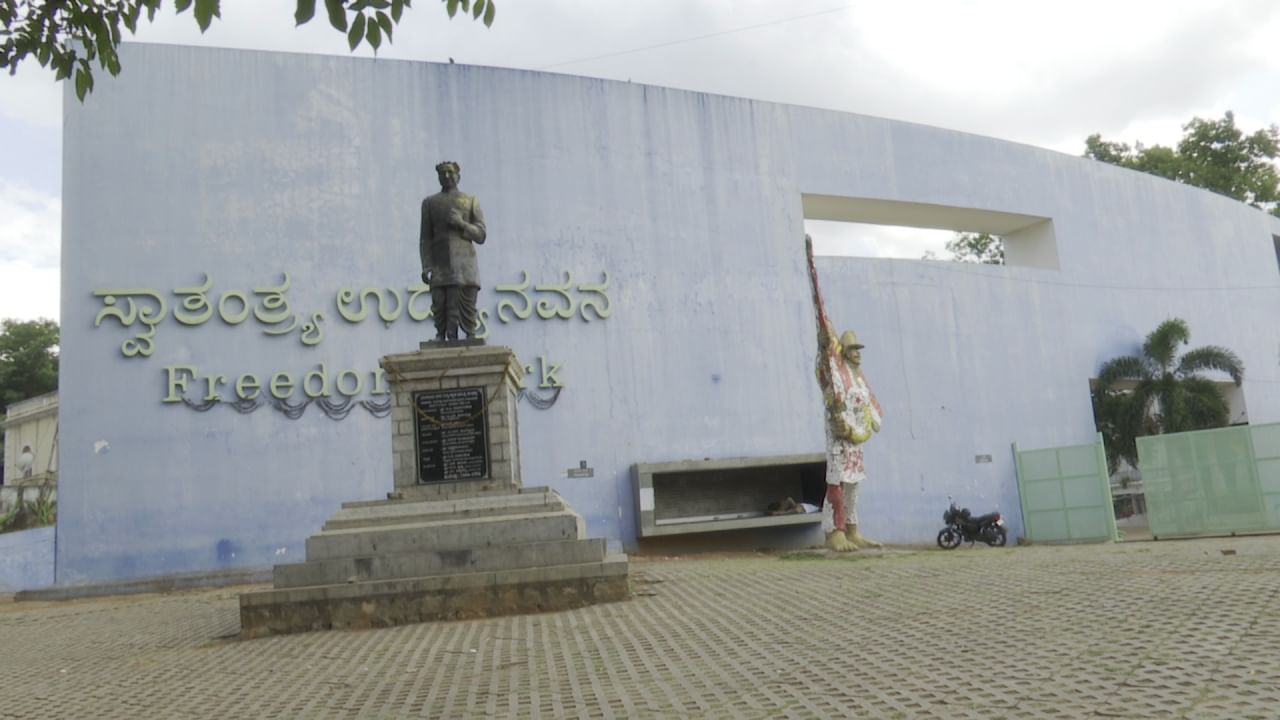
(232, 220)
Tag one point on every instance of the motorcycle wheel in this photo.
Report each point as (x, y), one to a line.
(949, 538)
(997, 537)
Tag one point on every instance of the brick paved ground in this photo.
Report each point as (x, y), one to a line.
(1168, 629)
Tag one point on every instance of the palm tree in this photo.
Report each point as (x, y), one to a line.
(1169, 395)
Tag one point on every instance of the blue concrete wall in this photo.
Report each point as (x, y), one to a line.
(26, 559)
(245, 165)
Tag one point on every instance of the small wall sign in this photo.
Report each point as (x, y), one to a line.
(582, 471)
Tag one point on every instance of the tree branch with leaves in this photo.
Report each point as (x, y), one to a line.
(28, 360)
(978, 248)
(69, 36)
(1213, 154)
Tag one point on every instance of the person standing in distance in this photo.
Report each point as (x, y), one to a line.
(452, 225)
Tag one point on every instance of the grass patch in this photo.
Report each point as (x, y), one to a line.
(811, 556)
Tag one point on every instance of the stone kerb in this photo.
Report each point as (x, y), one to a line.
(495, 371)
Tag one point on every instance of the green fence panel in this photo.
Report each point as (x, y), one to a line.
(1212, 482)
(1066, 494)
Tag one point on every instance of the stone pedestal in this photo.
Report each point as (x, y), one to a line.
(458, 536)
(443, 399)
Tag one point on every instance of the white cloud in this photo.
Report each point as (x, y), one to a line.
(31, 97)
(1048, 74)
(28, 292)
(30, 225)
(877, 241)
(30, 232)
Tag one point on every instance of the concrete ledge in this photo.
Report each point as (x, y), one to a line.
(611, 565)
(460, 489)
(439, 562)
(436, 363)
(406, 511)
(455, 355)
(152, 584)
(683, 528)
(453, 597)
(446, 535)
(446, 491)
(424, 376)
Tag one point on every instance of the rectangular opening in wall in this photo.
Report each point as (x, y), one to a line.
(864, 227)
(905, 243)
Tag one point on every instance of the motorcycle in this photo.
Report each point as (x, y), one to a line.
(962, 525)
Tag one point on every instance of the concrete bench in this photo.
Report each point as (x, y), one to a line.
(692, 496)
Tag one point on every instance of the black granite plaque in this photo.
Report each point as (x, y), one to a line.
(453, 435)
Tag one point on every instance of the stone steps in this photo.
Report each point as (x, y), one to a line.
(406, 512)
(445, 491)
(438, 562)
(443, 550)
(440, 555)
(386, 603)
(452, 534)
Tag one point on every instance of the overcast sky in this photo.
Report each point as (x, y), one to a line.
(1046, 74)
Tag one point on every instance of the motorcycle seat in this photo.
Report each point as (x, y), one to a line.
(984, 519)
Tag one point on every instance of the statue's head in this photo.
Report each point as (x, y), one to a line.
(449, 174)
(851, 348)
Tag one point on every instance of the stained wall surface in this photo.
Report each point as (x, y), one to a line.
(26, 559)
(224, 171)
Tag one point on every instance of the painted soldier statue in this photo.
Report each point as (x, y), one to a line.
(452, 225)
(852, 414)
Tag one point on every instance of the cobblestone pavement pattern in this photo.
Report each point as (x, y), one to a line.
(1149, 630)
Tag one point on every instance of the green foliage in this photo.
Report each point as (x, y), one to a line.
(1168, 395)
(28, 359)
(1213, 154)
(69, 35)
(30, 513)
(977, 248)
(980, 248)
(42, 511)
(8, 518)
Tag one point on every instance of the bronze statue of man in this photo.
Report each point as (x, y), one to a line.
(452, 225)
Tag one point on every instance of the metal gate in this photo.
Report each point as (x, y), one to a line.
(1065, 494)
(1212, 482)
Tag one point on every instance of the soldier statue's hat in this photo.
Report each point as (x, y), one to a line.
(850, 340)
